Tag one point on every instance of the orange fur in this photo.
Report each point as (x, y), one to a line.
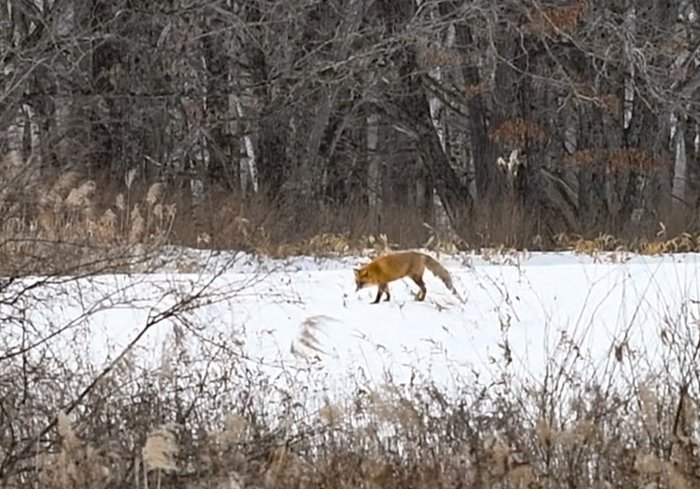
(395, 266)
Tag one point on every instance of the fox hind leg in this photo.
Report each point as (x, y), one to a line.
(419, 282)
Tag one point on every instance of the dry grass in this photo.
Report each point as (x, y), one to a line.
(502, 436)
(69, 222)
(223, 221)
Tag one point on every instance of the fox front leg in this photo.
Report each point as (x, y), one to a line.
(383, 289)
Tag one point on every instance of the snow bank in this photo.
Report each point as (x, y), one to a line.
(302, 317)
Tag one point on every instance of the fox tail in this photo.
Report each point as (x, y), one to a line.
(441, 272)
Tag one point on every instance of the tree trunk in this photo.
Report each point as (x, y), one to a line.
(413, 112)
(680, 169)
(248, 166)
(483, 151)
(219, 142)
(374, 183)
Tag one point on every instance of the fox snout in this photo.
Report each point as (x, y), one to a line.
(358, 279)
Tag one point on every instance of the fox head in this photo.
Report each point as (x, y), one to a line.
(360, 278)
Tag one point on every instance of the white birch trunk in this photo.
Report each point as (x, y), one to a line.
(373, 173)
(248, 164)
(17, 130)
(680, 169)
(63, 102)
(628, 98)
(437, 118)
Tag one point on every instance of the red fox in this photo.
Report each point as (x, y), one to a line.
(388, 268)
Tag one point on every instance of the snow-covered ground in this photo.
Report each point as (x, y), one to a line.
(302, 316)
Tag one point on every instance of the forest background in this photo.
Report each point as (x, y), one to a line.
(525, 124)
